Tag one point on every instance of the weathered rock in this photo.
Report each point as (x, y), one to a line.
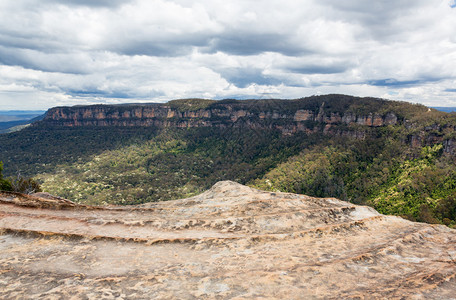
(303, 115)
(289, 116)
(230, 242)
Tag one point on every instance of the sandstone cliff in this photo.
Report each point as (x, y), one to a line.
(288, 116)
(330, 114)
(231, 242)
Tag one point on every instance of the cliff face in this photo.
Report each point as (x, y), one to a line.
(287, 116)
(330, 114)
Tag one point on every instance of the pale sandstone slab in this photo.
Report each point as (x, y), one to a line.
(231, 242)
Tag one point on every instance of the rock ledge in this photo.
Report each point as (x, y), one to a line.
(231, 242)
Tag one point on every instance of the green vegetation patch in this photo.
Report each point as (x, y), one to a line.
(190, 104)
(173, 164)
(389, 179)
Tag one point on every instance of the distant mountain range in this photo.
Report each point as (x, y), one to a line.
(445, 109)
(12, 120)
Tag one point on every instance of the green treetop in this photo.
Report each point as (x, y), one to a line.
(5, 185)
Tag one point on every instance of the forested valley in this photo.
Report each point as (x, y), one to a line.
(406, 169)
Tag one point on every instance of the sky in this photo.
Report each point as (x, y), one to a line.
(74, 52)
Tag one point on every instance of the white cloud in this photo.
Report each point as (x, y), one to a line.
(64, 52)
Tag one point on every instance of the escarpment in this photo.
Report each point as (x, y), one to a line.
(335, 115)
(289, 116)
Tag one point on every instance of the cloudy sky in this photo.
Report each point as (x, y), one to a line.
(68, 52)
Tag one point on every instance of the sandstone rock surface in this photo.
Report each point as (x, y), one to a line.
(231, 242)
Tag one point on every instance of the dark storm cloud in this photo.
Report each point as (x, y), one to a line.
(152, 49)
(374, 13)
(319, 69)
(117, 94)
(29, 41)
(40, 61)
(178, 45)
(244, 77)
(248, 43)
(380, 8)
(90, 3)
(392, 82)
(99, 94)
(379, 18)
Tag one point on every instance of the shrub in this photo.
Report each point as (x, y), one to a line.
(24, 185)
(5, 185)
